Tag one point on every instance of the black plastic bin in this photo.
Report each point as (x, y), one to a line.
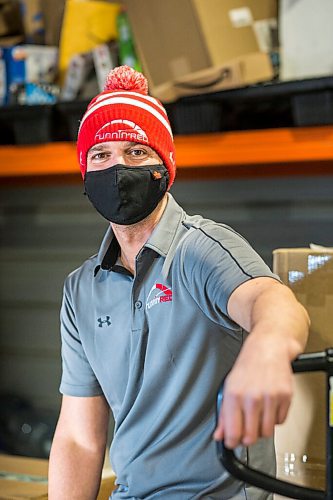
(26, 124)
(67, 118)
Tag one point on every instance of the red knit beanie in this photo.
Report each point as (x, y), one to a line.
(125, 112)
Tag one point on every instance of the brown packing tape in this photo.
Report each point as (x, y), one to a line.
(204, 81)
(200, 82)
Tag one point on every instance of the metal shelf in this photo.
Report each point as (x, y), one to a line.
(271, 152)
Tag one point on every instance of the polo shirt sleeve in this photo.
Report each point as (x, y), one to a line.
(216, 260)
(78, 378)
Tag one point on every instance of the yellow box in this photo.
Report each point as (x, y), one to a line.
(86, 24)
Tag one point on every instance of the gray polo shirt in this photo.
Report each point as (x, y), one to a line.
(157, 345)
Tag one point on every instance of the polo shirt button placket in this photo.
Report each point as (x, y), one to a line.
(138, 319)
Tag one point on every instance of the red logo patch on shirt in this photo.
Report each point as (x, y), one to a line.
(158, 294)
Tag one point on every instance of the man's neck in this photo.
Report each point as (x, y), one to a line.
(132, 238)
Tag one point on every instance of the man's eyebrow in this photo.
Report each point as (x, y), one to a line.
(97, 147)
(130, 144)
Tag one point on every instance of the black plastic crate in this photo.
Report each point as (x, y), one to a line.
(267, 105)
(195, 117)
(67, 119)
(26, 124)
(313, 108)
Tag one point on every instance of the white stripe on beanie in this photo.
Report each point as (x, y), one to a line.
(131, 93)
(131, 102)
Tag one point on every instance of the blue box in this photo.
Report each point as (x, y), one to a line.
(14, 58)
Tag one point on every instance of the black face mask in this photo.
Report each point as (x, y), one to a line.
(126, 195)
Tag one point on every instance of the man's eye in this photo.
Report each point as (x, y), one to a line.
(137, 152)
(99, 156)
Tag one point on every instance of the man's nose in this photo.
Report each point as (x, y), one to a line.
(118, 159)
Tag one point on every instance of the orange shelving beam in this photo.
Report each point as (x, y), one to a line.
(285, 151)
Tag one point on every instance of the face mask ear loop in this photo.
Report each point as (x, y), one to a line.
(84, 184)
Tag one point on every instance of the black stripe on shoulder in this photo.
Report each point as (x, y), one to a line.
(226, 250)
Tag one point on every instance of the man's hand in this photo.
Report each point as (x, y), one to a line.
(257, 394)
(258, 390)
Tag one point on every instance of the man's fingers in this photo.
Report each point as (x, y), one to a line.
(219, 431)
(232, 417)
(252, 417)
(269, 416)
(244, 421)
(246, 415)
(283, 410)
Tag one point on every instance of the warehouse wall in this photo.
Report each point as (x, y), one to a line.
(48, 231)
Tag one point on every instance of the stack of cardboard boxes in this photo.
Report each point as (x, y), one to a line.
(301, 440)
(199, 46)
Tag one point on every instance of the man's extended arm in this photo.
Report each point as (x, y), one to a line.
(78, 449)
(258, 390)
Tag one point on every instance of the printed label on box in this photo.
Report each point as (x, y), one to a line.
(241, 17)
(266, 34)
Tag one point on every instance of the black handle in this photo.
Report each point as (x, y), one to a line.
(319, 361)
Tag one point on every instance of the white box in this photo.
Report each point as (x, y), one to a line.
(306, 39)
(3, 85)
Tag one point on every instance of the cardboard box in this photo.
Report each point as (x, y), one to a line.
(301, 440)
(234, 28)
(26, 478)
(242, 71)
(306, 39)
(176, 39)
(28, 64)
(23, 478)
(33, 21)
(10, 18)
(53, 13)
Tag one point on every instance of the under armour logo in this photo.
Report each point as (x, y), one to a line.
(104, 321)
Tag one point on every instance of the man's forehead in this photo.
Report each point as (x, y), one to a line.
(116, 144)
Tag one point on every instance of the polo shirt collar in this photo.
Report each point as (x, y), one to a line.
(164, 233)
(160, 240)
(108, 252)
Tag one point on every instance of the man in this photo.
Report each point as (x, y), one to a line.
(154, 322)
